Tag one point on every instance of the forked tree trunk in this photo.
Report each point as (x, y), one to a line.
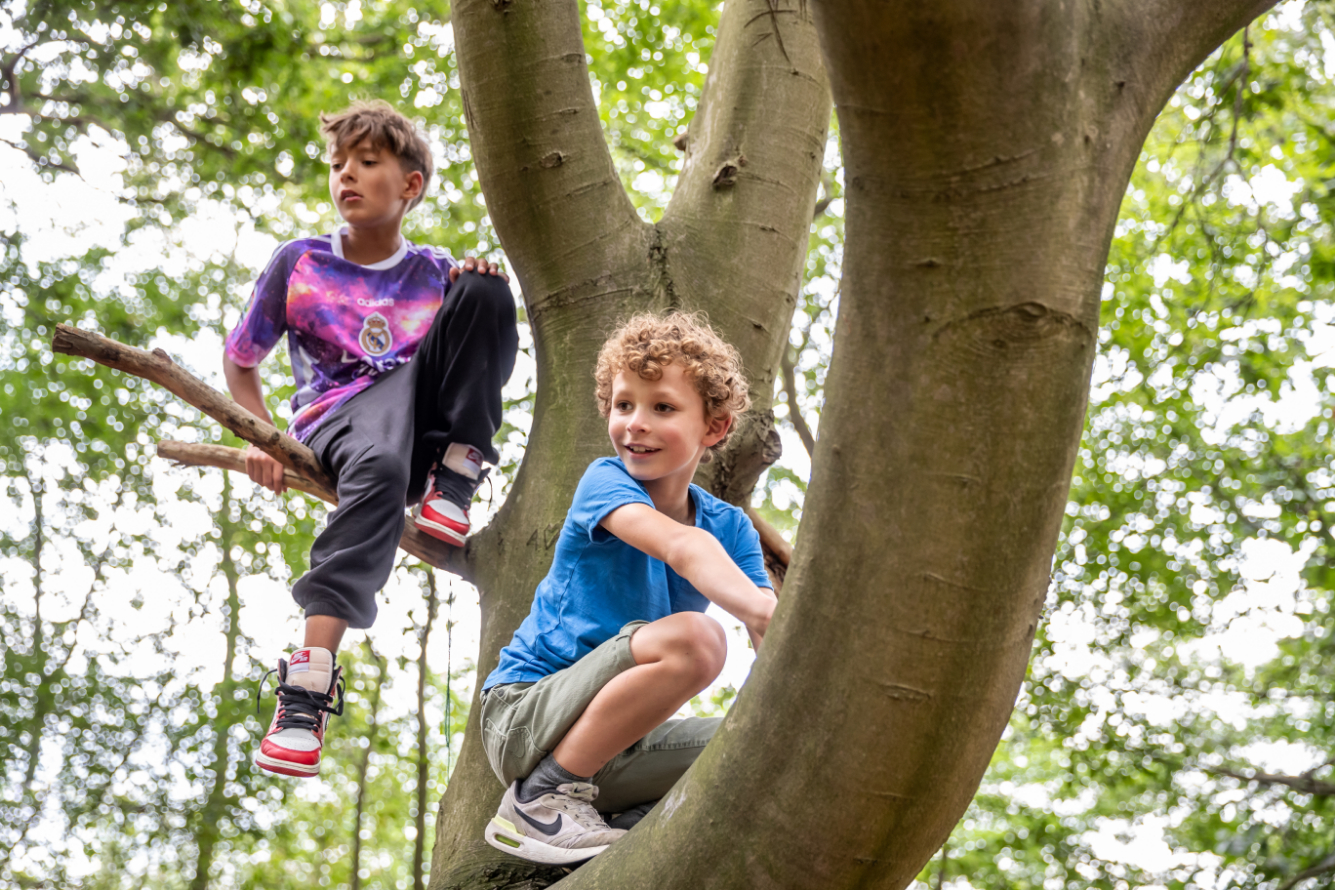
(732, 242)
(987, 147)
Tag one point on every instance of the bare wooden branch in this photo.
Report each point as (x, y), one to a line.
(304, 472)
(1303, 784)
(770, 538)
(778, 552)
(157, 367)
(222, 457)
(794, 410)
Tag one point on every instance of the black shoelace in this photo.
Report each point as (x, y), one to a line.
(302, 707)
(457, 488)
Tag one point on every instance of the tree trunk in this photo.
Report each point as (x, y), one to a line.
(986, 148)
(732, 242)
(364, 767)
(423, 749)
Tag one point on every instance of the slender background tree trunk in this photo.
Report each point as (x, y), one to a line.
(215, 807)
(364, 767)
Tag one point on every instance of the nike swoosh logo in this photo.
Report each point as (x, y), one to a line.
(547, 828)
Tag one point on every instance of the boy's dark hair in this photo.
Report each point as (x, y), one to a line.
(385, 128)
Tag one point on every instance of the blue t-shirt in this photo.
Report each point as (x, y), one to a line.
(598, 582)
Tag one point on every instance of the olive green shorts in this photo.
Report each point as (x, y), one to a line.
(523, 722)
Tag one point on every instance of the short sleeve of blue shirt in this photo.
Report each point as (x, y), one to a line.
(598, 583)
(605, 486)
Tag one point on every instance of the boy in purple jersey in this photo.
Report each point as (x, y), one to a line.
(398, 361)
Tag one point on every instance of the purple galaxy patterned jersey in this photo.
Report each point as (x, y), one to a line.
(346, 323)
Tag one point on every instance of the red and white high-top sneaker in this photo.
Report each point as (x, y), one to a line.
(308, 681)
(450, 487)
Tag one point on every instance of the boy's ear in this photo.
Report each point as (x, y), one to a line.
(413, 186)
(717, 429)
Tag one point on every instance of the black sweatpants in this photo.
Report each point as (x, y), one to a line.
(380, 444)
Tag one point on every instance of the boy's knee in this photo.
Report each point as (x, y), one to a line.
(713, 647)
(700, 642)
(489, 294)
(384, 469)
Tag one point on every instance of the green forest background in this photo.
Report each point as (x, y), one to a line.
(1178, 725)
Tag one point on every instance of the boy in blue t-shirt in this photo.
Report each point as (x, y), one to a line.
(398, 362)
(578, 708)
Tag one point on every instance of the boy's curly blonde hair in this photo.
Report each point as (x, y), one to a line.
(648, 342)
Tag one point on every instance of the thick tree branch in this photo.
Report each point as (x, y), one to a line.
(1163, 40)
(749, 180)
(537, 140)
(586, 260)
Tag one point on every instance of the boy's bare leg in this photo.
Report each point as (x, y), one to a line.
(675, 658)
(325, 631)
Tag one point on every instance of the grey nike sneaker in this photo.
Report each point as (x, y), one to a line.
(558, 827)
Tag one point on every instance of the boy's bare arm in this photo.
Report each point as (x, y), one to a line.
(244, 385)
(698, 557)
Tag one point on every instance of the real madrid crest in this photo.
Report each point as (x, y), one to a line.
(376, 338)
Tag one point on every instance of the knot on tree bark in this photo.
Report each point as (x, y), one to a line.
(734, 471)
(1021, 329)
(726, 177)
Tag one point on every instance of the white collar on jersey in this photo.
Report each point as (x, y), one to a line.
(389, 262)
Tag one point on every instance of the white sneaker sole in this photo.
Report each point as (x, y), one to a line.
(502, 835)
(440, 532)
(285, 767)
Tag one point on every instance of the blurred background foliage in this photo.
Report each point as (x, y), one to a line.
(1178, 729)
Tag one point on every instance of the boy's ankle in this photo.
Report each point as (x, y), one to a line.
(463, 459)
(546, 778)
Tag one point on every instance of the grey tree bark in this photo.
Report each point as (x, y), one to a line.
(987, 147)
(732, 242)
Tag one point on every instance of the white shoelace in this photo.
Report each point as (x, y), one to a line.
(579, 805)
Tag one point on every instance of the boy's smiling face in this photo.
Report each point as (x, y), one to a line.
(659, 427)
(369, 185)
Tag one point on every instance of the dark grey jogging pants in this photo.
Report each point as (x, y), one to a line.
(380, 444)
